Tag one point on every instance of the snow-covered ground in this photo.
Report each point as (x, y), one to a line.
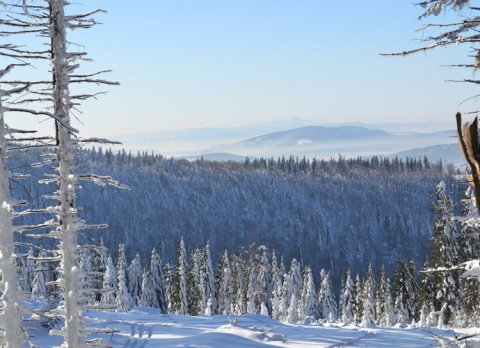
(145, 327)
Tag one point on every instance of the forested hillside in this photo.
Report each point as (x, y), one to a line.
(326, 214)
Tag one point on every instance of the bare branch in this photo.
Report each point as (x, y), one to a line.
(45, 113)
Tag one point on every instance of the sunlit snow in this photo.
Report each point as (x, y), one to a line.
(146, 327)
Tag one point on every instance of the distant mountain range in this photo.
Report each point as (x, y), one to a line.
(275, 139)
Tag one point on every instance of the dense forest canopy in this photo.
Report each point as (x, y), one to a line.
(327, 214)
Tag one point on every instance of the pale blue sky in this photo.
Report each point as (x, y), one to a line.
(220, 63)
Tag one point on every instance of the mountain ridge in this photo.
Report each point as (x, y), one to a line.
(309, 141)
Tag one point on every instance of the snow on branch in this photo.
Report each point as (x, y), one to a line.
(102, 180)
(45, 113)
(99, 141)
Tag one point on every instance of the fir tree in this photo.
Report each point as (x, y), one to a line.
(39, 289)
(148, 297)
(195, 284)
(167, 283)
(156, 282)
(123, 298)
(445, 255)
(121, 262)
(252, 290)
(264, 282)
(406, 290)
(224, 285)
(326, 300)
(239, 285)
(208, 276)
(383, 302)
(179, 288)
(358, 308)
(276, 286)
(348, 300)
(292, 310)
(308, 303)
(368, 299)
(109, 284)
(135, 280)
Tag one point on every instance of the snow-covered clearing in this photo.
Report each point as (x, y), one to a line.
(146, 327)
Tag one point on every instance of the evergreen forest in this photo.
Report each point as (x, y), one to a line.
(326, 214)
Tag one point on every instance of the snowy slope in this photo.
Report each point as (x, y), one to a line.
(145, 327)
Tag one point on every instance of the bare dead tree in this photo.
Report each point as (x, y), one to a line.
(463, 31)
(47, 19)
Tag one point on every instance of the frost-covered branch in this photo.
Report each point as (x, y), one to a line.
(101, 180)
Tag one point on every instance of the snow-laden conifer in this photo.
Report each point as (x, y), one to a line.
(292, 311)
(308, 306)
(252, 290)
(368, 299)
(326, 299)
(286, 295)
(239, 285)
(135, 280)
(208, 276)
(197, 302)
(39, 289)
(179, 289)
(167, 285)
(123, 299)
(109, 284)
(224, 285)
(383, 302)
(348, 300)
(276, 286)
(358, 294)
(148, 297)
(264, 281)
(156, 281)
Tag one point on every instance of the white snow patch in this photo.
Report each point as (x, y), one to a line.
(305, 142)
(148, 328)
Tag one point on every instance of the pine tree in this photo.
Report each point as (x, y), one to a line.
(23, 285)
(239, 285)
(86, 265)
(156, 282)
(358, 295)
(276, 286)
(308, 307)
(195, 284)
(167, 284)
(30, 264)
(135, 280)
(208, 276)
(252, 290)
(179, 289)
(286, 295)
(109, 284)
(383, 302)
(348, 300)
(148, 298)
(368, 299)
(39, 289)
(445, 254)
(296, 277)
(224, 285)
(406, 293)
(264, 282)
(401, 313)
(121, 262)
(292, 310)
(326, 300)
(123, 298)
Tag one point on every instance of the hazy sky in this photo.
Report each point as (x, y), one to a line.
(220, 63)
